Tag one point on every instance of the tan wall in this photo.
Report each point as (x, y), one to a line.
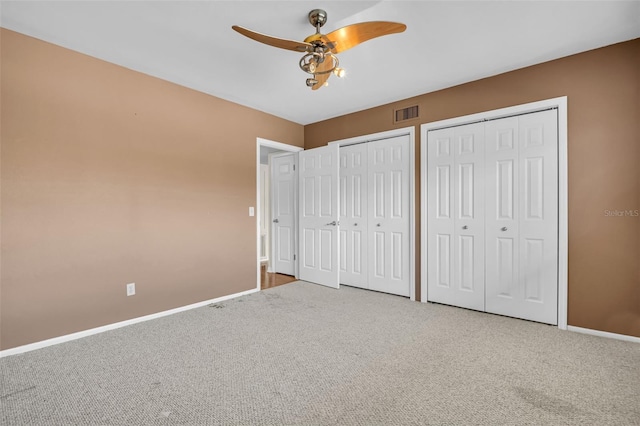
(603, 89)
(110, 176)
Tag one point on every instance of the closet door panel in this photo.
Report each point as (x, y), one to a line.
(469, 217)
(539, 219)
(522, 217)
(388, 192)
(319, 213)
(353, 216)
(440, 230)
(502, 213)
(455, 208)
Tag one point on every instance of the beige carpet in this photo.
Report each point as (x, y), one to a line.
(302, 354)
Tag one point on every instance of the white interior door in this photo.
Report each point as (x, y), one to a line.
(455, 208)
(353, 215)
(283, 212)
(389, 225)
(522, 217)
(318, 217)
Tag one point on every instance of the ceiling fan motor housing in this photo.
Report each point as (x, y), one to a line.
(317, 18)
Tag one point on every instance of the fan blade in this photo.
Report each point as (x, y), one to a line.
(298, 46)
(352, 35)
(326, 65)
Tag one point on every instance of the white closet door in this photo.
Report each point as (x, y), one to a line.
(388, 208)
(503, 200)
(468, 207)
(455, 209)
(522, 217)
(318, 189)
(353, 215)
(440, 223)
(283, 187)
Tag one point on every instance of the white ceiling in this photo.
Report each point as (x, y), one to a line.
(446, 43)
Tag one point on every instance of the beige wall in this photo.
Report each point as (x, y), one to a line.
(603, 89)
(110, 176)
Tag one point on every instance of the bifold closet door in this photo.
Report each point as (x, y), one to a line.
(522, 216)
(353, 215)
(318, 215)
(388, 211)
(455, 209)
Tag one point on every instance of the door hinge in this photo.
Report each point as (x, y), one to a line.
(294, 167)
(294, 257)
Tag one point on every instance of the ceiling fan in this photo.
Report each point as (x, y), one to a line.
(320, 50)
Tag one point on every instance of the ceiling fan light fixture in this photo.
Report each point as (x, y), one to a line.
(309, 62)
(311, 82)
(339, 72)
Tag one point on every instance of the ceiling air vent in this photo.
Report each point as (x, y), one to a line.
(407, 113)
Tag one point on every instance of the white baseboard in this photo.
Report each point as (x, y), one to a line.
(604, 334)
(92, 331)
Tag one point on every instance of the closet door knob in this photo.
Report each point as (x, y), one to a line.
(355, 224)
(465, 227)
(378, 224)
(331, 223)
(275, 221)
(504, 228)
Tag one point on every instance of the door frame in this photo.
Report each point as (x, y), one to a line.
(412, 189)
(563, 217)
(260, 142)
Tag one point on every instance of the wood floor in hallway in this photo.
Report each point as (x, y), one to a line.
(268, 279)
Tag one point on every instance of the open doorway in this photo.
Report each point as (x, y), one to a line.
(274, 235)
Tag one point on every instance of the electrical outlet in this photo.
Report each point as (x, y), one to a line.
(131, 289)
(251, 211)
